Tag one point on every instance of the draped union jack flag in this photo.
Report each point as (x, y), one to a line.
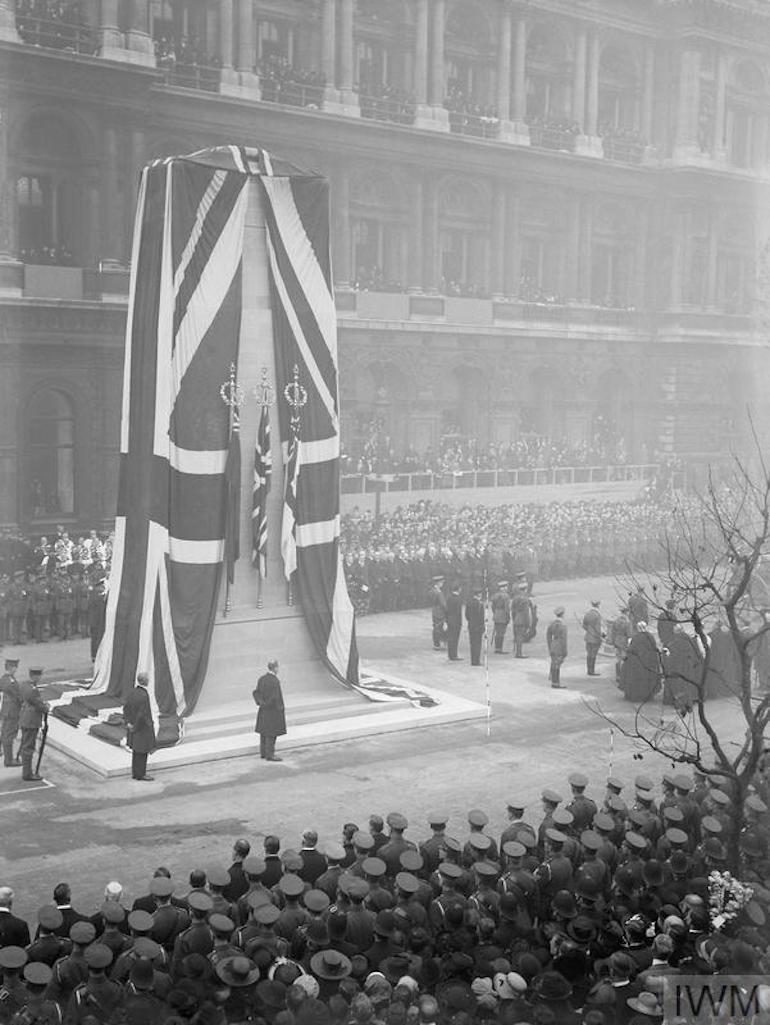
(182, 335)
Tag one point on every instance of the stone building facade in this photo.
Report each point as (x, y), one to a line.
(543, 212)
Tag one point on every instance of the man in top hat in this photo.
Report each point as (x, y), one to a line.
(593, 636)
(474, 616)
(139, 727)
(501, 614)
(271, 717)
(10, 710)
(454, 620)
(438, 611)
(33, 709)
(556, 639)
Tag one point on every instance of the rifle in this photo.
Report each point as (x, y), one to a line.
(41, 748)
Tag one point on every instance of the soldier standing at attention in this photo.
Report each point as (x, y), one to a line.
(474, 615)
(521, 611)
(438, 611)
(10, 710)
(501, 614)
(33, 708)
(556, 639)
(592, 625)
(454, 622)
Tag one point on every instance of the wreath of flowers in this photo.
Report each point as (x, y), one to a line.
(727, 897)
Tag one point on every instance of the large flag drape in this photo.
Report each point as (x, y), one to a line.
(263, 468)
(174, 479)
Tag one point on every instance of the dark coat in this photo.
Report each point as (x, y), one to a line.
(138, 716)
(640, 673)
(724, 675)
(454, 612)
(32, 706)
(683, 668)
(271, 718)
(14, 931)
(474, 615)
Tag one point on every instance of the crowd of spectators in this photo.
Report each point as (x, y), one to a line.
(373, 279)
(56, 255)
(550, 132)
(281, 82)
(57, 24)
(622, 143)
(187, 64)
(468, 117)
(374, 452)
(579, 912)
(382, 102)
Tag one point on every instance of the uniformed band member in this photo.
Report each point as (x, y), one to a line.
(271, 717)
(556, 639)
(33, 710)
(474, 616)
(139, 728)
(593, 635)
(10, 710)
(501, 614)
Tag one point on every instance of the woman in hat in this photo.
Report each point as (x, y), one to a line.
(640, 672)
(238, 996)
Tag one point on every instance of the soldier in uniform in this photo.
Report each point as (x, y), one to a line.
(593, 635)
(42, 606)
(556, 639)
(64, 606)
(438, 611)
(80, 594)
(474, 615)
(33, 709)
(18, 607)
(98, 996)
(521, 613)
(501, 614)
(10, 710)
(454, 620)
(620, 637)
(581, 807)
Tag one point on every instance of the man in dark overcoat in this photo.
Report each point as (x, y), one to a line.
(640, 672)
(33, 711)
(139, 726)
(271, 717)
(474, 616)
(454, 622)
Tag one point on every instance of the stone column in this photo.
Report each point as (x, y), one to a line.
(720, 148)
(513, 245)
(226, 36)
(247, 56)
(648, 93)
(686, 147)
(713, 258)
(8, 246)
(572, 283)
(112, 213)
(138, 41)
(504, 65)
(329, 50)
(437, 54)
(640, 257)
(499, 233)
(579, 80)
(678, 258)
(421, 54)
(585, 248)
(344, 100)
(113, 44)
(343, 270)
(520, 132)
(415, 282)
(8, 31)
(589, 144)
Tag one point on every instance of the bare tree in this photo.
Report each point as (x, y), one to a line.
(714, 591)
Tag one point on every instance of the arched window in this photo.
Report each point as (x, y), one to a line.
(50, 455)
(612, 271)
(547, 76)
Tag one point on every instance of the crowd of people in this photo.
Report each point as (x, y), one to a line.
(551, 132)
(53, 587)
(580, 912)
(374, 452)
(281, 82)
(382, 102)
(622, 143)
(468, 117)
(374, 279)
(187, 63)
(57, 24)
(390, 561)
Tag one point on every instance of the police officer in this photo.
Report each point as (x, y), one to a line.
(474, 616)
(10, 709)
(33, 710)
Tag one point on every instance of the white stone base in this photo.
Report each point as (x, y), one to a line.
(434, 119)
(589, 146)
(514, 132)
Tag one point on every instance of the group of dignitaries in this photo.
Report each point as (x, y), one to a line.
(576, 915)
(390, 563)
(518, 609)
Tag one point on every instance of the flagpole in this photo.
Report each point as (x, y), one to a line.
(264, 396)
(232, 396)
(487, 687)
(296, 397)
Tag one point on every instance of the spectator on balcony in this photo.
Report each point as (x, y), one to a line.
(187, 64)
(468, 117)
(281, 82)
(56, 24)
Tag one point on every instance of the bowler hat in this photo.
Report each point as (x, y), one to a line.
(552, 986)
(582, 929)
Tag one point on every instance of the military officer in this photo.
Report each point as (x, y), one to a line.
(42, 606)
(438, 611)
(556, 639)
(454, 620)
(621, 638)
(10, 710)
(581, 807)
(474, 616)
(501, 614)
(593, 634)
(18, 607)
(33, 710)
(521, 612)
(64, 606)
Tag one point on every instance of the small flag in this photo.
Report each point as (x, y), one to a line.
(263, 467)
(289, 523)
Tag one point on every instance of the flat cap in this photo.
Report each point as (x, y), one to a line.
(112, 912)
(555, 835)
(291, 885)
(82, 932)
(486, 869)
(357, 889)
(198, 901)
(374, 867)
(363, 841)
(591, 840)
(677, 837)
(253, 865)
(673, 814)
(450, 870)
(407, 882)
(613, 783)
(218, 876)
(711, 825)
(452, 844)
(411, 860)
(604, 822)
(49, 917)
(480, 841)
(438, 818)
(578, 779)
(551, 796)
(316, 901)
(476, 817)
(146, 947)
(516, 804)
(635, 840)
(397, 821)
(98, 956)
(642, 782)
(562, 818)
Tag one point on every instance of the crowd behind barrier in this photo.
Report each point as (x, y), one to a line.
(281, 82)
(56, 24)
(467, 117)
(187, 64)
(579, 912)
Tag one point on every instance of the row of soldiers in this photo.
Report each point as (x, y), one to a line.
(581, 909)
(39, 606)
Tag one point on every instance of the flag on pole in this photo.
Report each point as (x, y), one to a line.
(263, 467)
(233, 478)
(289, 522)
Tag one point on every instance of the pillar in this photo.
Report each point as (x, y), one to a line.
(8, 243)
(579, 80)
(513, 245)
(111, 250)
(639, 294)
(713, 258)
(585, 249)
(688, 106)
(499, 233)
(437, 54)
(678, 257)
(431, 114)
(648, 93)
(344, 273)
(247, 56)
(589, 144)
(517, 131)
(112, 42)
(415, 281)
(421, 54)
(504, 65)
(138, 40)
(720, 148)
(226, 35)
(8, 31)
(572, 283)
(93, 243)
(329, 48)
(346, 52)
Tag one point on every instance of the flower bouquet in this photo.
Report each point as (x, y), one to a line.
(727, 897)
